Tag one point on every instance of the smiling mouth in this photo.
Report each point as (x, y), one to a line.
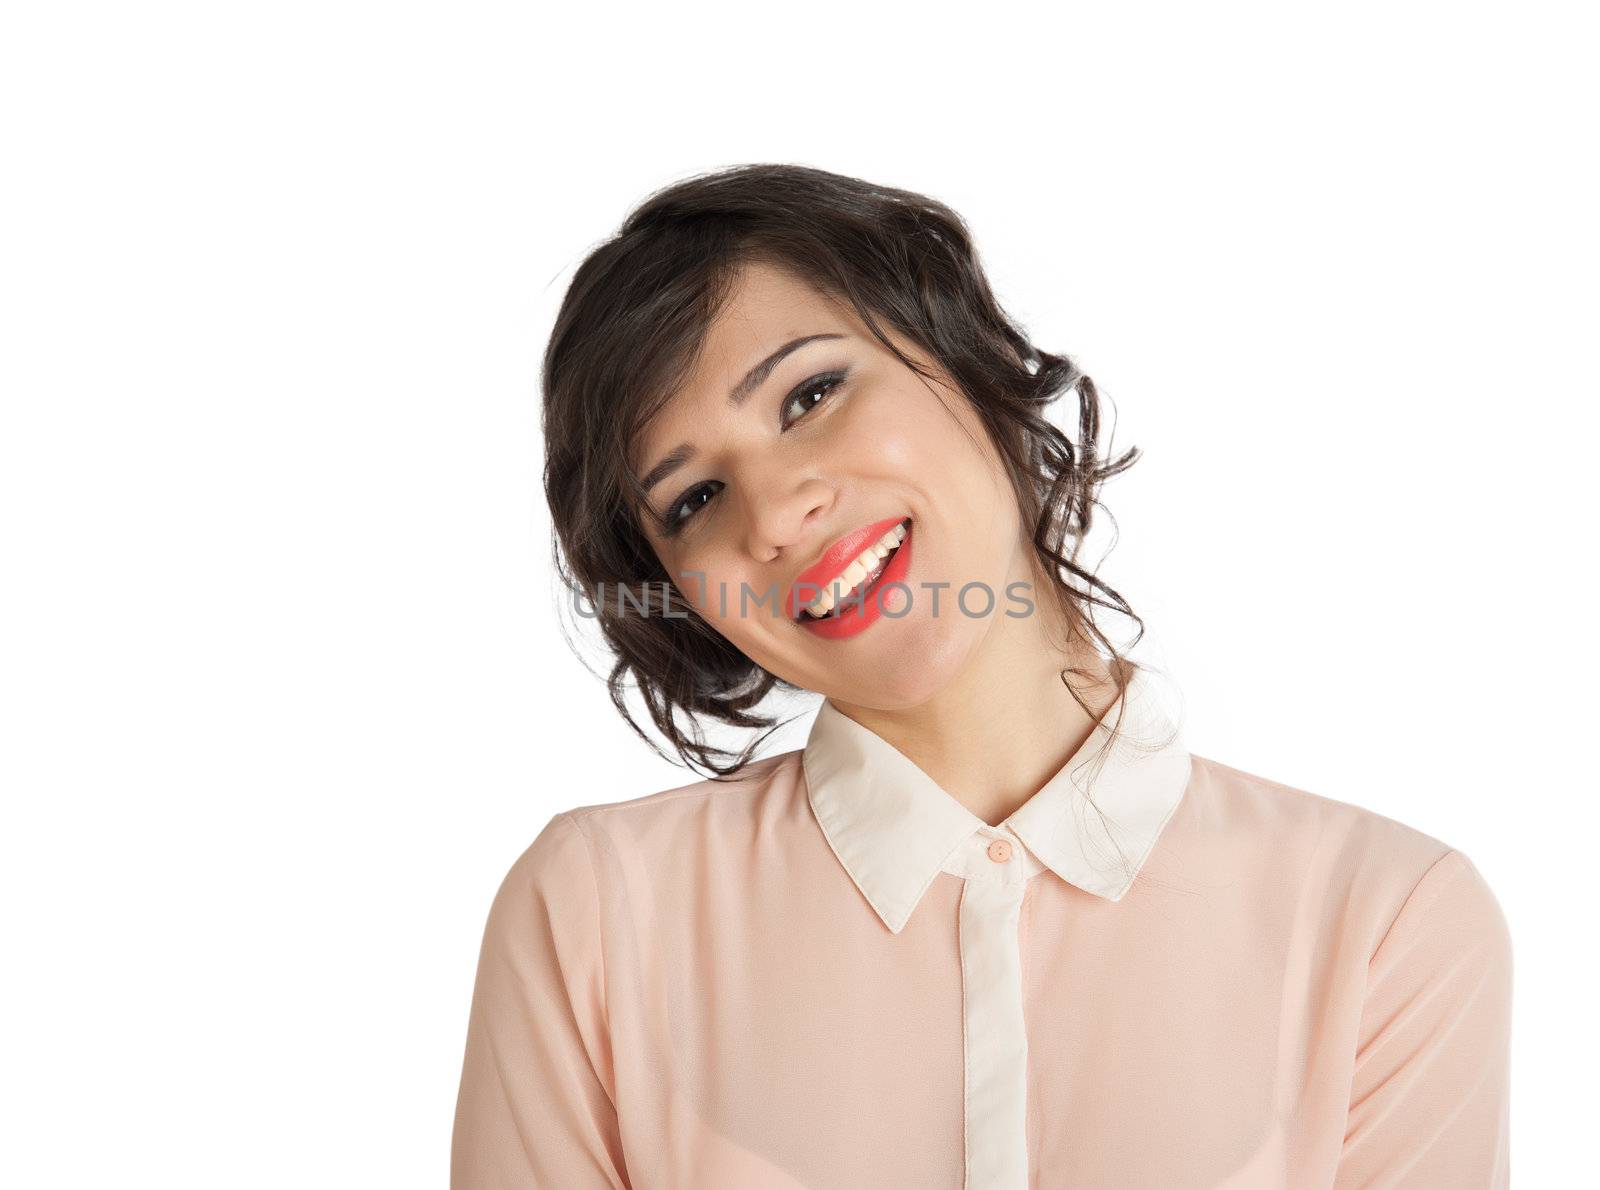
(856, 594)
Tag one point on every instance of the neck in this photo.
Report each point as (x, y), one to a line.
(996, 734)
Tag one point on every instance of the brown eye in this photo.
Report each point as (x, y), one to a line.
(812, 393)
(678, 515)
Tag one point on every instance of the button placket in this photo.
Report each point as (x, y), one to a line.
(994, 1037)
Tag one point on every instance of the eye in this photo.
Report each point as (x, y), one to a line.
(805, 397)
(802, 397)
(680, 513)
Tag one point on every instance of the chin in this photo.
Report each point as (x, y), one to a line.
(922, 668)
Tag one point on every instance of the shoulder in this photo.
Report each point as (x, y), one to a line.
(1373, 864)
(1226, 799)
(718, 802)
(1452, 912)
(667, 826)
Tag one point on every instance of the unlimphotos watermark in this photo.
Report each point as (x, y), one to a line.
(636, 599)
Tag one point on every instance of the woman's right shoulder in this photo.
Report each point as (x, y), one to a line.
(656, 827)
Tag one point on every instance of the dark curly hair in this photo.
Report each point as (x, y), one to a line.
(629, 328)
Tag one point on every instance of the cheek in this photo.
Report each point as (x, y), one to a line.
(891, 441)
(918, 435)
(714, 588)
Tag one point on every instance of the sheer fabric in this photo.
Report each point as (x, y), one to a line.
(828, 974)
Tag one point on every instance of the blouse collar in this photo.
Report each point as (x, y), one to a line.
(893, 829)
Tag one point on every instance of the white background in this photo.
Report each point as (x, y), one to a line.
(283, 689)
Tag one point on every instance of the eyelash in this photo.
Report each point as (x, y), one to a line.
(828, 381)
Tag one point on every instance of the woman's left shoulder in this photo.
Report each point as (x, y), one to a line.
(1352, 846)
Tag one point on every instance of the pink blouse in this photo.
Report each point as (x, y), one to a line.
(827, 973)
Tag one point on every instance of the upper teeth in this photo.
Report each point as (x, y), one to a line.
(863, 565)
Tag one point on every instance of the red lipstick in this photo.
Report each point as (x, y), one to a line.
(859, 611)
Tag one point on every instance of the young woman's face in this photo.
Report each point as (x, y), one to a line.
(834, 443)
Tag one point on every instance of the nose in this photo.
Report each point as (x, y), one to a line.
(779, 520)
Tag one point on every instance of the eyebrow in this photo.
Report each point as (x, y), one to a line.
(737, 396)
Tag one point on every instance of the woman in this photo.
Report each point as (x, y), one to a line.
(993, 926)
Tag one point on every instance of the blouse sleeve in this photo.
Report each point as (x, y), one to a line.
(1429, 1104)
(536, 1103)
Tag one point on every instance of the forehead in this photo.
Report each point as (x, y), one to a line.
(766, 306)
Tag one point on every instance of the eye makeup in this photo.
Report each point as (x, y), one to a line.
(683, 510)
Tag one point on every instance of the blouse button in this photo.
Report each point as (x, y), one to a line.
(1000, 851)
